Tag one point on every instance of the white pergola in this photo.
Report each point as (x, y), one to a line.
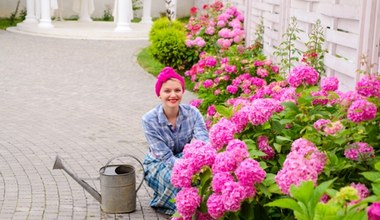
(39, 11)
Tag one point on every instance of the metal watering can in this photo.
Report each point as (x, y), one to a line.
(117, 185)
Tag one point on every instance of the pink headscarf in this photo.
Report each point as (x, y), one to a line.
(166, 74)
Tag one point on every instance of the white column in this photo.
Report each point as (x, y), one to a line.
(30, 12)
(146, 18)
(85, 11)
(123, 19)
(45, 20)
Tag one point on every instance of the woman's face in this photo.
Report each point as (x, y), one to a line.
(171, 93)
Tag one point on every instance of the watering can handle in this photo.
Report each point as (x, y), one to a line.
(128, 155)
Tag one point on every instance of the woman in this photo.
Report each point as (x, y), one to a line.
(168, 128)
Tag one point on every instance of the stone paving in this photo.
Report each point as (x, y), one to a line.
(80, 99)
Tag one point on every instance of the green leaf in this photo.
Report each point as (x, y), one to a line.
(274, 189)
(372, 176)
(377, 166)
(282, 139)
(303, 192)
(277, 147)
(291, 105)
(357, 215)
(226, 112)
(365, 201)
(256, 153)
(286, 203)
(319, 191)
(269, 179)
(264, 190)
(324, 212)
(376, 188)
(340, 141)
(286, 121)
(263, 164)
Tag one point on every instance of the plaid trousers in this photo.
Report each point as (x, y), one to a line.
(157, 176)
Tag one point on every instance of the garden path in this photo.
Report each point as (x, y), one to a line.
(81, 99)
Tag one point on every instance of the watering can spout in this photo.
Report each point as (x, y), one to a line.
(59, 165)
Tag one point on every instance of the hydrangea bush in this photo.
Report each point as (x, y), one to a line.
(282, 135)
(239, 72)
(215, 28)
(280, 148)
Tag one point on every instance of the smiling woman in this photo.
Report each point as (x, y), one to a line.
(168, 128)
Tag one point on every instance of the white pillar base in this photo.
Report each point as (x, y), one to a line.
(122, 27)
(85, 19)
(45, 24)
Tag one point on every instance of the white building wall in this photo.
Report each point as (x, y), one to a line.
(158, 7)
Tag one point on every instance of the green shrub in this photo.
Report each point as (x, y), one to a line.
(168, 44)
(164, 23)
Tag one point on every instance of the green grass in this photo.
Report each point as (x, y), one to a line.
(146, 60)
(148, 63)
(5, 23)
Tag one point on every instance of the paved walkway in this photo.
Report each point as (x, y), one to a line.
(81, 99)
(98, 30)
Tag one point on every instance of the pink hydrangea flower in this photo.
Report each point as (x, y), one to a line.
(275, 69)
(210, 30)
(230, 69)
(249, 172)
(221, 133)
(263, 144)
(362, 191)
(196, 102)
(374, 211)
(204, 216)
(325, 198)
(187, 201)
(320, 97)
(238, 149)
(369, 86)
(200, 157)
(347, 98)
(200, 42)
(329, 83)
(215, 206)
(303, 75)
(240, 119)
(361, 110)
(262, 72)
(258, 63)
(333, 128)
(210, 61)
(320, 124)
(260, 110)
(233, 194)
(211, 110)
(208, 83)
(219, 179)
(304, 162)
(232, 89)
(224, 162)
(190, 149)
(359, 151)
(182, 173)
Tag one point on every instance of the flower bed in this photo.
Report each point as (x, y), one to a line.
(280, 147)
